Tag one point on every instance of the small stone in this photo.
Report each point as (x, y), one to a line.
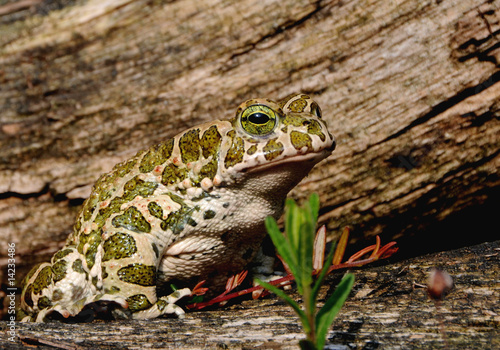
(439, 284)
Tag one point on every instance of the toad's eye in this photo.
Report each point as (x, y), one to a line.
(258, 120)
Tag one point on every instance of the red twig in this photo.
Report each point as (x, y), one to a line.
(376, 253)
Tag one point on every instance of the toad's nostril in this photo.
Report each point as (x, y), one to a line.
(306, 122)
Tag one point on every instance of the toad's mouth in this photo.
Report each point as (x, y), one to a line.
(308, 158)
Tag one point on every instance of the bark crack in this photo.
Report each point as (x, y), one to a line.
(9, 194)
(445, 105)
(287, 25)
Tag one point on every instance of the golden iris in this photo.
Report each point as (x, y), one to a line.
(258, 120)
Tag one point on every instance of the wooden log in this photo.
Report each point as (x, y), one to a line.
(387, 309)
(410, 90)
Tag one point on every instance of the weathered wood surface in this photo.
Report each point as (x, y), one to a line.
(387, 309)
(409, 88)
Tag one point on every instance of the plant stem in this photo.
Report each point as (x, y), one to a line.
(310, 314)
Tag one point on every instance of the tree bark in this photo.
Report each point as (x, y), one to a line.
(410, 89)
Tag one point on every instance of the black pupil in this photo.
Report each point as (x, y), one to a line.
(258, 118)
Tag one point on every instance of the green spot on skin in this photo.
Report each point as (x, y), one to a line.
(177, 220)
(177, 199)
(132, 220)
(59, 270)
(173, 174)
(78, 266)
(61, 254)
(314, 128)
(161, 304)
(189, 144)
(156, 155)
(164, 226)
(104, 187)
(138, 187)
(104, 273)
(210, 142)
(285, 100)
(155, 210)
(44, 302)
(89, 204)
(235, 153)
(294, 120)
(133, 188)
(298, 105)
(106, 193)
(27, 295)
(205, 195)
(119, 246)
(105, 213)
(252, 150)
(209, 170)
(176, 294)
(272, 149)
(138, 302)
(43, 280)
(209, 214)
(123, 168)
(143, 275)
(113, 290)
(78, 225)
(57, 295)
(93, 239)
(77, 293)
(300, 140)
(155, 249)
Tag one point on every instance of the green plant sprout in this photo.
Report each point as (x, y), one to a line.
(296, 249)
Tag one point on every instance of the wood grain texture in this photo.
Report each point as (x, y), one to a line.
(387, 309)
(410, 89)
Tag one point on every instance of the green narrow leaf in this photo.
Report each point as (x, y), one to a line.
(289, 301)
(307, 236)
(281, 243)
(292, 225)
(306, 250)
(288, 219)
(308, 232)
(327, 313)
(314, 206)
